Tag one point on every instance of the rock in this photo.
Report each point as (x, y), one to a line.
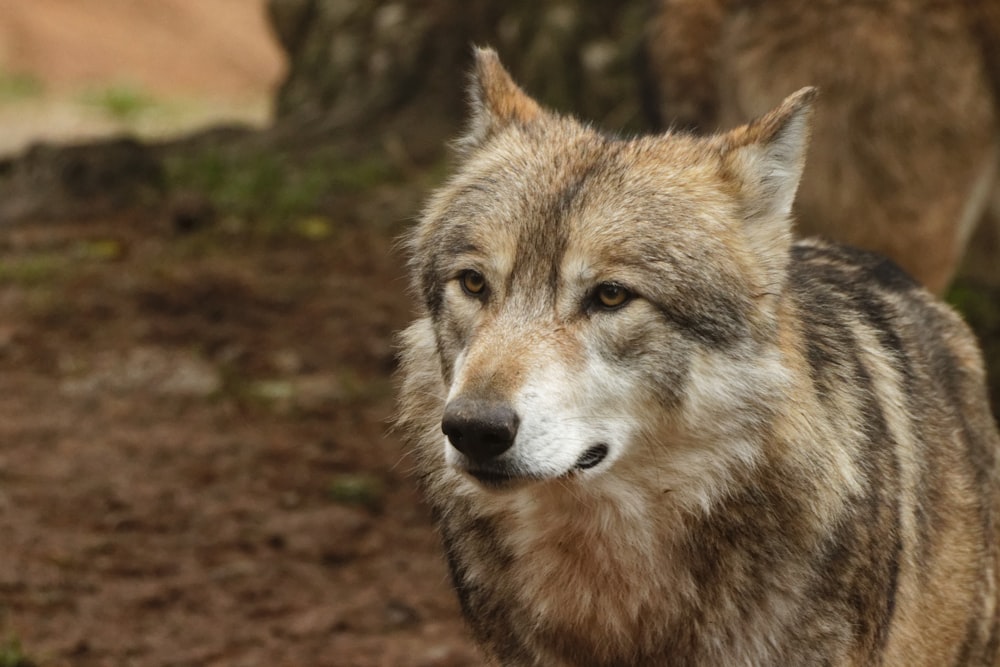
(77, 181)
(154, 370)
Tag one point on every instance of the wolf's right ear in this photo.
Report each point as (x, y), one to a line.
(764, 160)
(495, 101)
(767, 156)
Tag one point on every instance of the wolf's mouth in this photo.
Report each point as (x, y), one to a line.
(500, 477)
(592, 457)
(492, 479)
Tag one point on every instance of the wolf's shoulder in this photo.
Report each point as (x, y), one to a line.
(820, 265)
(841, 292)
(833, 281)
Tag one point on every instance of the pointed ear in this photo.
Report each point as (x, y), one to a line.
(767, 156)
(764, 160)
(495, 101)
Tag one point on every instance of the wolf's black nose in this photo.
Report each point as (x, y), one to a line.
(481, 430)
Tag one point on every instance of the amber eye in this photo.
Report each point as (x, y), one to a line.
(611, 296)
(473, 282)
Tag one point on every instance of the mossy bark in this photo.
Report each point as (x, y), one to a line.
(365, 66)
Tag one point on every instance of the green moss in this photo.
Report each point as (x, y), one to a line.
(315, 228)
(357, 175)
(271, 188)
(12, 655)
(122, 102)
(20, 87)
(980, 306)
(357, 489)
(32, 270)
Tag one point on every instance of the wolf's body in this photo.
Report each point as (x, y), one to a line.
(674, 437)
(906, 143)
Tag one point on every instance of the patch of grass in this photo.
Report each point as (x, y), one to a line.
(270, 189)
(314, 228)
(357, 489)
(980, 306)
(358, 175)
(354, 387)
(122, 102)
(12, 655)
(977, 304)
(101, 250)
(20, 87)
(32, 270)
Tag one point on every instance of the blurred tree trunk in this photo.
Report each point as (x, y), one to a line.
(369, 66)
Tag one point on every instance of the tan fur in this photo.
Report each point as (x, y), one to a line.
(906, 142)
(770, 453)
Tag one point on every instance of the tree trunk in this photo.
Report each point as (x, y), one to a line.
(368, 66)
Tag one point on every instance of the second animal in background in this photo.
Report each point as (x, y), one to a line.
(905, 144)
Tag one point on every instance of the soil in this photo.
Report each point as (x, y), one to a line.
(196, 463)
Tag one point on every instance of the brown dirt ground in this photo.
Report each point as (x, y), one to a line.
(195, 464)
(183, 417)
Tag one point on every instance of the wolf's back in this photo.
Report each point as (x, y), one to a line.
(902, 374)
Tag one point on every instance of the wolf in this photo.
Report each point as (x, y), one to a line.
(655, 430)
(907, 140)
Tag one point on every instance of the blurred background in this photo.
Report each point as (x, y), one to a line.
(199, 289)
(76, 70)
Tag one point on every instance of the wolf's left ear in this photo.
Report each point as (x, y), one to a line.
(767, 156)
(495, 101)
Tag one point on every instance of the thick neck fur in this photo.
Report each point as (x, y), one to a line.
(669, 547)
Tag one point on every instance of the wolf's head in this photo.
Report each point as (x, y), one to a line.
(587, 296)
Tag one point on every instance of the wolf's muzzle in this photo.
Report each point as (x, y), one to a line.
(482, 430)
